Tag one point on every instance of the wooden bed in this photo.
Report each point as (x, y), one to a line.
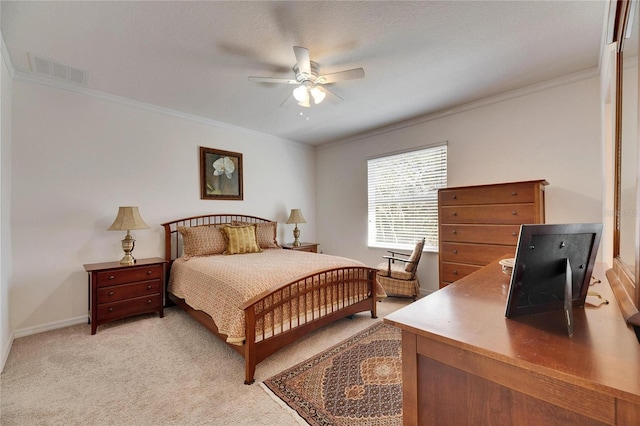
(351, 289)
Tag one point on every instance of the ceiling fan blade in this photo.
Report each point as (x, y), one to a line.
(332, 97)
(341, 76)
(303, 59)
(273, 80)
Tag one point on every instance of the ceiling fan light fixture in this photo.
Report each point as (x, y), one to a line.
(301, 94)
(318, 94)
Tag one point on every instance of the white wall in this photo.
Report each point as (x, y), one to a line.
(6, 84)
(553, 134)
(76, 158)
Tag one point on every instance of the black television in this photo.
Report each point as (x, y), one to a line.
(552, 268)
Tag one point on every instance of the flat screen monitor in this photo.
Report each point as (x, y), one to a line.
(552, 268)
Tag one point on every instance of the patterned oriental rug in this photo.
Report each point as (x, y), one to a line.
(356, 382)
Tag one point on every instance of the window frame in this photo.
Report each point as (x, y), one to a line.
(431, 244)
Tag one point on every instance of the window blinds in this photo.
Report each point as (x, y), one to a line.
(403, 197)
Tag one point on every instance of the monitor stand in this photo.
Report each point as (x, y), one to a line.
(568, 296)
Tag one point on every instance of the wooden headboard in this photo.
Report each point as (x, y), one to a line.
(173, 239)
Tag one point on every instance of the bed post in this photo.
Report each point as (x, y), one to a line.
(250, 345)
(374, 294)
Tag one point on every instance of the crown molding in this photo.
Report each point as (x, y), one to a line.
(512, 94)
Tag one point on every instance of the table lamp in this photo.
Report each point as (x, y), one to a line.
(296, 217)
(128, 219)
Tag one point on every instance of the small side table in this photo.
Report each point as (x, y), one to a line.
(119, 291)
(310, 247)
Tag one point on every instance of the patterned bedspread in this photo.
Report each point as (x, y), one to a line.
(220, 284)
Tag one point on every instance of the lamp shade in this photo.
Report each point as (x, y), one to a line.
(296, 217)
(128, 218)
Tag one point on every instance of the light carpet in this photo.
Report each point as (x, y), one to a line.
(357, 382)
(148, 370)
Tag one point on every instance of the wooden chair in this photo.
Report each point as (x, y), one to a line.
(399, 279)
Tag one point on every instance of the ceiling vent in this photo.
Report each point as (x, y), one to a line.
(58, 71)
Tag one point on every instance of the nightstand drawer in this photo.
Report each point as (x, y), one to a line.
(109, 311)
(129, 275)
(128, 291)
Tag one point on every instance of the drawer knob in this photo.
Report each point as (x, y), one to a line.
(111, 277)
(455, 232)
(148, 272)
(455, 272)
(454, 196)
(514, 233)
(514, 193)
(454, 214)
(455, 251)
(111, 293)
(149, 287)
(514, 213)
(148, 301)
(110, 309)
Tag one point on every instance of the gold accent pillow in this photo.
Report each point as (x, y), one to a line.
(201, 241)
(266, 233)
(241, 239)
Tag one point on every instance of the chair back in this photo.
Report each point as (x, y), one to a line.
(414, 259)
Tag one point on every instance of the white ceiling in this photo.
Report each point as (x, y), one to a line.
(419, 57)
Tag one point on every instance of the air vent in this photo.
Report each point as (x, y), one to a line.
(58, 71)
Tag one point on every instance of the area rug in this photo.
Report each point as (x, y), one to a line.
(356, 382)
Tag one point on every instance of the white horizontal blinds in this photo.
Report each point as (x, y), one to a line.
(403, 197)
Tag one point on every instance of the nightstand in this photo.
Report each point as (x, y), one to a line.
(310, 247)
(119, 291)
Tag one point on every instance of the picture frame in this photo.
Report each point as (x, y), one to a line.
(220, 174)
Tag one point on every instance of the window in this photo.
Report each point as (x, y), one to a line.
(403, 197)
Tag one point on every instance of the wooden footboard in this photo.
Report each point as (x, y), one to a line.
(280, 316)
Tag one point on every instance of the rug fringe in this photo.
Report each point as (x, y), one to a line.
(284, 405)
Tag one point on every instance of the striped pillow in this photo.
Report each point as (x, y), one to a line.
(201, 241)
(241, 239)
(265, 232)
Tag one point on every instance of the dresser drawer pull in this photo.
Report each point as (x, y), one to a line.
(455, 272)
(454, 214)
(454, 232)
(148, 301)
(148, 272)
(514, 233)
(454, 196)
(110, 309)
(149, 287)
(514, 193)
(455, 251)
(111, 293)
(514, 213)
(111, 277)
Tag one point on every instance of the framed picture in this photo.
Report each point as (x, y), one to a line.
(220, 174)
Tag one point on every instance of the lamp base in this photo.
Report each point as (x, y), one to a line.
(296, 235)
(128, 260)
(128, 245)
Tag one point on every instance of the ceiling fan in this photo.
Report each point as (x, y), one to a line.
(310, 83)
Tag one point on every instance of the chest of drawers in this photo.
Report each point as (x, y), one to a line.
(119, 291)
(478, 224)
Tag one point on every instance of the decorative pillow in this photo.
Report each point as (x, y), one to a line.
(266, 233)
(201, 241)
(241, 239)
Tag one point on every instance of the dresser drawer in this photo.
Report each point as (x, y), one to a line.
(114, 310)
(483, 234)
(476, 254)
(129, 275)
(451, 272)
(491, 194)
(128, 291)
(500, 213)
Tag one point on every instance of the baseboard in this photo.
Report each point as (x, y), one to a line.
(6, 350)
(50, 326)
